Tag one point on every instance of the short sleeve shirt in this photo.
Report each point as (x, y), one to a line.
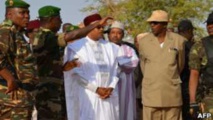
(197, 56)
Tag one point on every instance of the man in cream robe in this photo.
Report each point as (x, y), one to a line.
(126, 84)
(83, 103)
(91, 88)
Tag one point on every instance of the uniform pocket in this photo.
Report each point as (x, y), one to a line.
(176, 81)
(172, 56)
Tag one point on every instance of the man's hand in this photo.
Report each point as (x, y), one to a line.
(14, 95)
(109, 91)
(11, 86)
(104, 93)
(101, 91)
(194, 110)
(71, 64)
(103, 22)
(11, 83)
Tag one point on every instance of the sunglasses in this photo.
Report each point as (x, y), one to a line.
(155, 23)
(99, 27)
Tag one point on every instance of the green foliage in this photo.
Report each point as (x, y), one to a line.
(134, 13)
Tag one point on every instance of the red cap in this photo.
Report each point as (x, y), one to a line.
(91, 18)
(33, 24)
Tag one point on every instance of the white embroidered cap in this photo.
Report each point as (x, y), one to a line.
(117, 24)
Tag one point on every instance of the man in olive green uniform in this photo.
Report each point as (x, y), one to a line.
(201, 67)
(50, 101)
(17, 64)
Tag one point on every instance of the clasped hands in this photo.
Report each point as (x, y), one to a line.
(104, 92)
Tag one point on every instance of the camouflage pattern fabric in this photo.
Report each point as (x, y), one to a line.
(197, 56)
(50, 98)
(18, 108)
(16, 56)
(47, 51)
(208, 103)
(198, 60)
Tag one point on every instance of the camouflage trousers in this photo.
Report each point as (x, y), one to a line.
(50, 99)
(17, 105)
(208, 104)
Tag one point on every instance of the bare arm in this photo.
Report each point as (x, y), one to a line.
(181, 58)
(79, 33)
(193, 83)
(11, 84)
(4, 72)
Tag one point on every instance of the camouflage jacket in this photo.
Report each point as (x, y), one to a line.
(197, 56)
(15, 54)
(47, 50)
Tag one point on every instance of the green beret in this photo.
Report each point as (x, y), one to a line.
(49, 11)
(71, 28)
(16, 3)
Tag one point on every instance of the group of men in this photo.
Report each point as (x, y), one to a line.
(95, 80)
(32, 71)
(31, 74)
(101, 87)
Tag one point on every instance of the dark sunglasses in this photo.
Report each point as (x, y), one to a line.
(154, 23)
(99, 27)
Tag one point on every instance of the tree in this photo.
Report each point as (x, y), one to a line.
(134, 13)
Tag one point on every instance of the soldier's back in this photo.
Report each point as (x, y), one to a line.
(50, 93)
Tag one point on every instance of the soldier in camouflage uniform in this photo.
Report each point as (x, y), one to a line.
(50, 97)
(201, 67)
(17, 64)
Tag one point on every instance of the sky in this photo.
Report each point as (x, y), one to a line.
(70, 9)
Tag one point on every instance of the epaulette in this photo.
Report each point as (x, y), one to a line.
(45, 30)
(7, 24)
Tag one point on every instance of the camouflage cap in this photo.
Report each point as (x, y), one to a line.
(71, 28)
(16, 3)
(49, 11)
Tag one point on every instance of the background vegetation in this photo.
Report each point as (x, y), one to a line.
(134, 13)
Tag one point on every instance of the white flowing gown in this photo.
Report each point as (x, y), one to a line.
(128, 61)
(81, 82)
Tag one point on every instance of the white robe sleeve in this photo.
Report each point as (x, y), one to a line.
(114, 70)
(78, 73)
(127, 58)
(83, 81)
(114, 80)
